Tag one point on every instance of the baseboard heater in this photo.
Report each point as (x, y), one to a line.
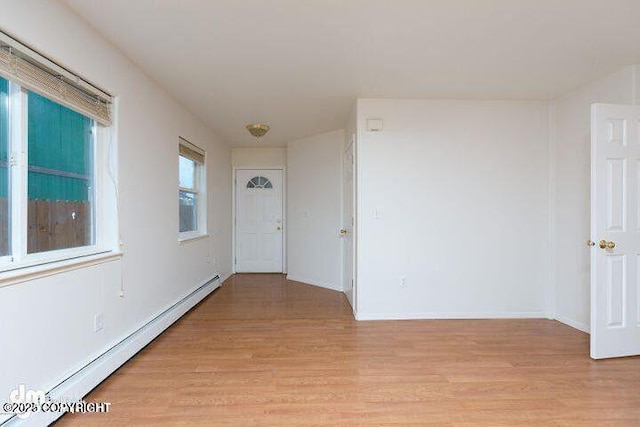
(85, 379)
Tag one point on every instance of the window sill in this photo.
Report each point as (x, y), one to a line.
(191, 237)
(27, 273)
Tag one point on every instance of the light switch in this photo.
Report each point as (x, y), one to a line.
(374, 125)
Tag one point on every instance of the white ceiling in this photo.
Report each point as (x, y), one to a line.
(299, 65)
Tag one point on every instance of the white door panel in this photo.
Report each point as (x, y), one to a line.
(348, 229)
(615, 230)
(259, 221)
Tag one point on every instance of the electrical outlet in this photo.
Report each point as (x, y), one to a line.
(403, 282)
(98, 322)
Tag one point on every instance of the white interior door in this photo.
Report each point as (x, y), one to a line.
(348, 221)
(259, 221)
(615, 230)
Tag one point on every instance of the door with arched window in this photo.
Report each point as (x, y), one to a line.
(259, 221)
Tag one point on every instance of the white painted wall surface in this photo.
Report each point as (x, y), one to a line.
(47, 324)
(636, 84)
(258, 157)
(453, 197)
(571, 202)
(314, 213)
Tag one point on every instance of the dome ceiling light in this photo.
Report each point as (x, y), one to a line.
(258, 130)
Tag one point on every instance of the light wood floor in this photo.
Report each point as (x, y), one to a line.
(262, 351)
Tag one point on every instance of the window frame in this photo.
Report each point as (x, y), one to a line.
(18, 257)
(8, 258)
(199, 190)
(266, 186)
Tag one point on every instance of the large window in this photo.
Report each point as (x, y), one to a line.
(50, 123)
(46, 175)
(191, 198)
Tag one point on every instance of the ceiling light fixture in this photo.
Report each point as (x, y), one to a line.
(258, 129)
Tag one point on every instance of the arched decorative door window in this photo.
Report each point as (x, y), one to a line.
(259, 182)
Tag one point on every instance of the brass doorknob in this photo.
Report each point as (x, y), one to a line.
(606, 245)
(343, 232)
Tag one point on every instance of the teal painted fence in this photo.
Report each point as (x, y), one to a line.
(59, 151)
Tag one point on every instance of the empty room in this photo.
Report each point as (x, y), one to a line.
(320, 213)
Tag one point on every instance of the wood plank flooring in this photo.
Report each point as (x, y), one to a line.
(263, 351)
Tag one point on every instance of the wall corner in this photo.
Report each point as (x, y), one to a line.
(552, 136)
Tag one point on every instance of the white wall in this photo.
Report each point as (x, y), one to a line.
(571, 142)
(47, 323)
(314, 214)
(259, 157)
(453, 196)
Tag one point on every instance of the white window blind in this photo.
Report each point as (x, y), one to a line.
(190, 151)
(37, 73)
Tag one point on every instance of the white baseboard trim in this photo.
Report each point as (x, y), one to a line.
(575, 325)
(86, 379)
(225, 276)
(313, 282)
(455, 315)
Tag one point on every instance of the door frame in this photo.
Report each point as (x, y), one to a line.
(350, 145)
(285, 225)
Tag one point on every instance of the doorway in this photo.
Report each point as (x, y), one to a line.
(259, 221)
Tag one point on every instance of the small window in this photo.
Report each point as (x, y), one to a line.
(191, 195)
(259, 182)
